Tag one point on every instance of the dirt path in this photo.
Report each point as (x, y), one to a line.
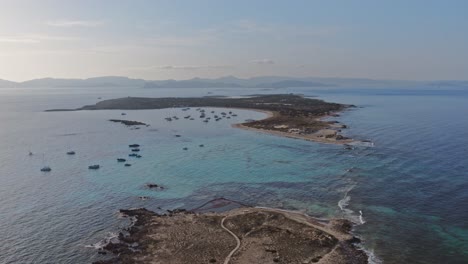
(228, 258)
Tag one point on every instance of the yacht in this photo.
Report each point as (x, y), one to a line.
(94, 167)
(46, 169)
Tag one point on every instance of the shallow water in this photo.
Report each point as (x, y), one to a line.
(411, 187)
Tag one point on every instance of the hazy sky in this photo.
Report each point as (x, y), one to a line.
(407, 39)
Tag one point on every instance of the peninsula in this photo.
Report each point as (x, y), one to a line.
(239, 236)
(290, 115)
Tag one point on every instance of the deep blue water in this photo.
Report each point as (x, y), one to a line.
(411, 186)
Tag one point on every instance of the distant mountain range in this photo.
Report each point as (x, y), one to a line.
(273, 82)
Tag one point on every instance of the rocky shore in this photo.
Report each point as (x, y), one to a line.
(290, 115)
(241, 235)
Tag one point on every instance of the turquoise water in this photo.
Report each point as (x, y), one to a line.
(411, 186)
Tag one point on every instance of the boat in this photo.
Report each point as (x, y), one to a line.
(201, 145)
(123, 114)
(206, 121)
(121, 160)
(30, 153)
(94, 167)
(133, 155)
(46, 169)
(185, 148)
(192, 118)
(135, 149)
(138, 156)
(127, 165)
(234, 115)
(177, 135)
(134, 146)
(168, 119)
(71, 152)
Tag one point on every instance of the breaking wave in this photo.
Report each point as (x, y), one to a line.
(348, 213)
(111, 237)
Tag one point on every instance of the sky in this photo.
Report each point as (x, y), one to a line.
(393, 39)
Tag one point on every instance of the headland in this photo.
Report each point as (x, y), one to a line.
(242, 235)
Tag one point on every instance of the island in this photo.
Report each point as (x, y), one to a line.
(289, 115)
(128, 122)
(242, 235)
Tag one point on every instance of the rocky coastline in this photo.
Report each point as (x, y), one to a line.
(240, 235)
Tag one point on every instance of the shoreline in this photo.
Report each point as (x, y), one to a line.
(240, 235)
(317, 137)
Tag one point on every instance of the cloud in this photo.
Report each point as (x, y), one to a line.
(191, 68)
(249, 26)
(13, 39)
(74, 23)
(263, 62)
(181, 67)
(33, 39)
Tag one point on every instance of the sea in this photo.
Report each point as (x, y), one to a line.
(405, 187)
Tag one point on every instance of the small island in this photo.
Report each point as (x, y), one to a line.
(289, 115)
(243, 235)
(128, 122)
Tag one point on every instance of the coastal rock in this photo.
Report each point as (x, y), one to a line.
(264, 236)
